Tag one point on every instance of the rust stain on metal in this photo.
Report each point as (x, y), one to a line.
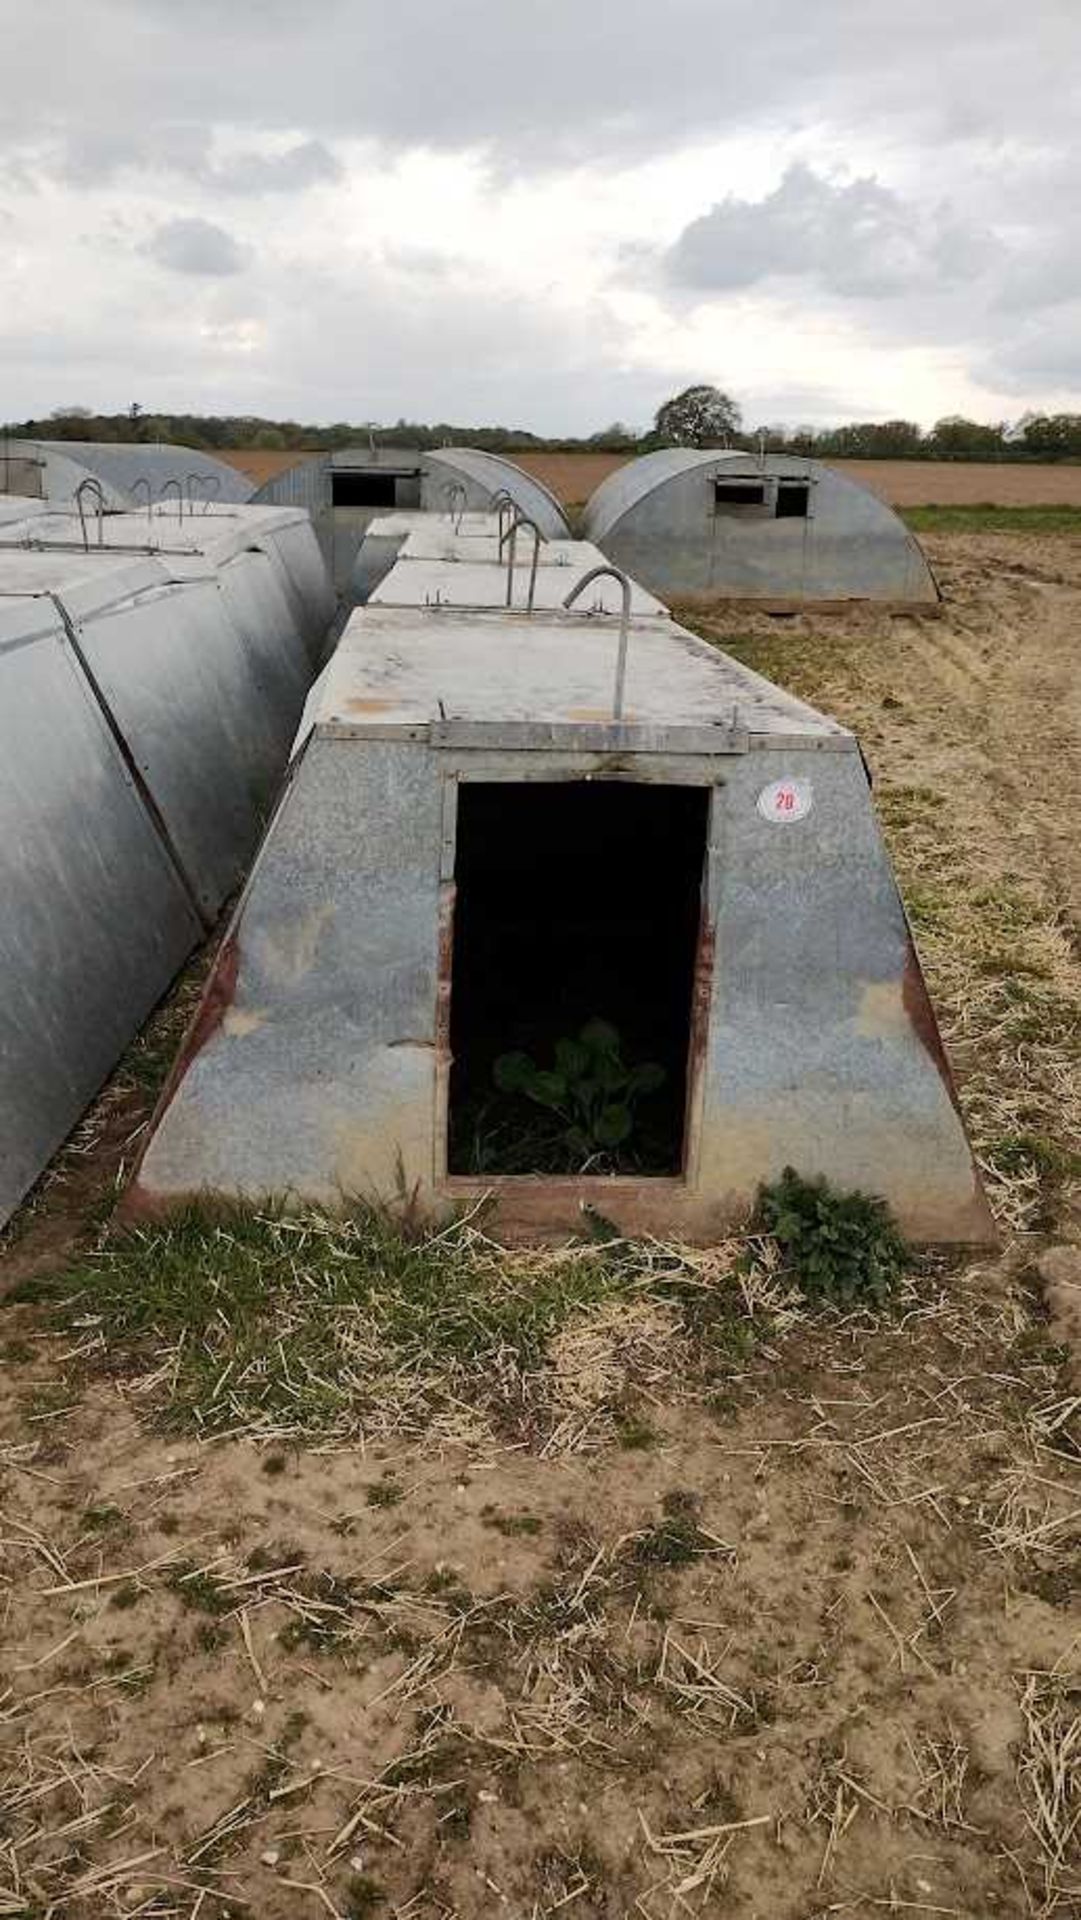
(448, 894)
(921, 1016)
(218, 996)
(701, 998)
(368, 706)
(976, 1224)
(535, 1208)
(698, 1046)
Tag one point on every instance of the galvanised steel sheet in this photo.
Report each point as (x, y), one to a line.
(483, 583)
(665, 519)
(482, 476)
(94, 920)
(180, 685)
(293, 540)
(319, 1065)
(149, 691)
(258, 603)
(120, 466)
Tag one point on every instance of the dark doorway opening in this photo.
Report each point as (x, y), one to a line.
(575, 933)
(793, 500)
(373, 487)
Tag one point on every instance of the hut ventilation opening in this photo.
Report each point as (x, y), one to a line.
(793, 499)
(737, 494)
(374, 487)
(576, 903)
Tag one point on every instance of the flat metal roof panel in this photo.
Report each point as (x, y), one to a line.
(464, 583)
(390, 526)
(440, 542)
(398, 668)
(85, 582)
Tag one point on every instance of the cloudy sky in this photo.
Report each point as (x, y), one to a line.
(550, 215)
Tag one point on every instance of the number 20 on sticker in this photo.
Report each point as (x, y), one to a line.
(785, 801)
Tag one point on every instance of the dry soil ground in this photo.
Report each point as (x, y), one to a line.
(692, 1601)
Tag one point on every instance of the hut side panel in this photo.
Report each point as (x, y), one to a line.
(823, 1051)
(95, 920)
(145, 722)
(319, 1076)
(179, 684)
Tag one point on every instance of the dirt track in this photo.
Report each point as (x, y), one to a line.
(855, 1694)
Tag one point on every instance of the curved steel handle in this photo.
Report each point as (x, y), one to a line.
(174, 482)
(611, 573)
(453, 490)
(90, 485)
(191, 482)
(212, 489)
(506, 507)
(511, 535)
(142, 481)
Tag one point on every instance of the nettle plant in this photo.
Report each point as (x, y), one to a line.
(844, 1248)
(590, 1088)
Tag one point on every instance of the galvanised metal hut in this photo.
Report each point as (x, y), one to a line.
(346, 490)
(511, 837)
(54, 470)
(152, 674)
(780, 531)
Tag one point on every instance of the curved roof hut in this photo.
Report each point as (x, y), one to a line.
(346, 490)
(54, 469)
(778, 530)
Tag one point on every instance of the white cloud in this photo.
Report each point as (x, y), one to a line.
(196, 246)
(855, 238)
(547, 217)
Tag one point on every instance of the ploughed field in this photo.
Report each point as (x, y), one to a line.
(352, 1575)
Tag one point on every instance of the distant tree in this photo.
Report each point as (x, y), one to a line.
(958, 438)
(873, 440)
(268, 438)
(614, 439)
(1053, 436)
(698, 417)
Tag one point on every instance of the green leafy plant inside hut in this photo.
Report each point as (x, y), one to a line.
(588, 1097)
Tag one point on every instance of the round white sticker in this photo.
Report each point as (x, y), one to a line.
(786, 801)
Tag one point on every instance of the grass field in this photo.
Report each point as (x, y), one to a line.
(347, 1575)
(986, 517)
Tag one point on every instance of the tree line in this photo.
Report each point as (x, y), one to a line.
(700, 416)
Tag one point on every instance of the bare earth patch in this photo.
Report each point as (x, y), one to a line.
(679, 1597)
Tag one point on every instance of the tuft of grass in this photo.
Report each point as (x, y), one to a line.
(364, 1896)
(312, 1324)
(385, 1493)
(676, 1539)
(844, 1247)
(198, 1591)
(633, 1433)
(512, 1525)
